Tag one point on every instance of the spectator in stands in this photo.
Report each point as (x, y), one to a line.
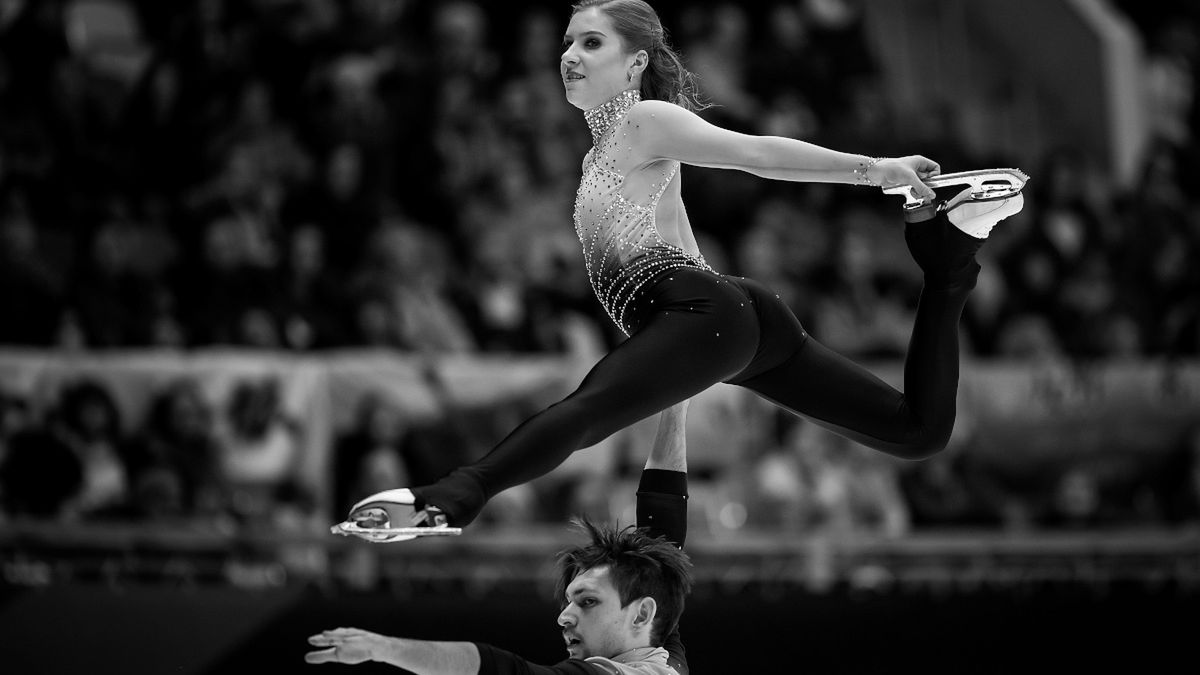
(231, 279)
(259, 446)
(372, 453)
(30, 293)
(175, 462)
(312, 296)
(114, 293)
(73, 465)
(267, 143)
(408, 271)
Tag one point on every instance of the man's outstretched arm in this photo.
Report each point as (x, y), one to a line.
(662, 491)
(352, 645)
(424, 657)
(662, 501)
(670, 442)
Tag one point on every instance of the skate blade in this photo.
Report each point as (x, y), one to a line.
(985, 184)
(383, 535)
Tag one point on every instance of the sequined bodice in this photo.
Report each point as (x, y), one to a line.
(622, 248)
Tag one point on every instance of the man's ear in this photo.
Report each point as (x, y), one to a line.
(647, 609)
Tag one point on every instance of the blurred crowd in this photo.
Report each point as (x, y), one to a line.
(317, 174)
(242, 461)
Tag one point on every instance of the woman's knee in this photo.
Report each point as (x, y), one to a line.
(924, 445)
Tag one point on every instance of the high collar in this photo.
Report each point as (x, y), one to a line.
(601, 118)
(643, 655)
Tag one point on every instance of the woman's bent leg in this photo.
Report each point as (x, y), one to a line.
(837, 393)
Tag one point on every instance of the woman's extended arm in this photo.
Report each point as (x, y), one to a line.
(668, 131)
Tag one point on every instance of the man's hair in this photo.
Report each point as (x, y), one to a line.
(639, 566)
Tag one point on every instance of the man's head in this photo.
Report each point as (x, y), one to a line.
(621, 591)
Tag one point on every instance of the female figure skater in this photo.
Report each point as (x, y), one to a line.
(689, 326)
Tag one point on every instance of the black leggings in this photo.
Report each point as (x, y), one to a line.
(695, 328)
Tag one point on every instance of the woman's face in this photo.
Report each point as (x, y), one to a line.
(594, 64)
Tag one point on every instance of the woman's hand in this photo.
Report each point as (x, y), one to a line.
(911, 171)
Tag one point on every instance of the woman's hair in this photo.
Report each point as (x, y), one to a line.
(665, 78)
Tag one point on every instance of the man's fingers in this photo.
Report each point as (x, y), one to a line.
(320, 640)
(321, 656)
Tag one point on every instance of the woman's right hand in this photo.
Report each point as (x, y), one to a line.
(911, 170)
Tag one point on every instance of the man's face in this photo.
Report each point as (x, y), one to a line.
(593, 622)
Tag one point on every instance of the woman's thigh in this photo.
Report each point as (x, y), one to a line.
(697, 329)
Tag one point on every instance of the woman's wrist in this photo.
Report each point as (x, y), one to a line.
(862, 172)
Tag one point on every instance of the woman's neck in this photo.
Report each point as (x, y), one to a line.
(601, 118)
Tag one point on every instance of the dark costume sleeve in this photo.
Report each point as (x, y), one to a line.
(495, 661)
(662, 504)
(662, 511)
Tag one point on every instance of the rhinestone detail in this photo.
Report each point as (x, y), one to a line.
(622, 248)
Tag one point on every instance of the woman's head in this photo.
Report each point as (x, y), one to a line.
(614, 45)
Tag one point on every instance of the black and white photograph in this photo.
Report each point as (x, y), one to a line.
(599, 337)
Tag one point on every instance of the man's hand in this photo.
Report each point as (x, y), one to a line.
(344, 645)
(911, 170)
(423, 657)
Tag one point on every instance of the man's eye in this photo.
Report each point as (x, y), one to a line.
(587, 602)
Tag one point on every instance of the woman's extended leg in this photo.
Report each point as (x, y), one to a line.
(702, 332)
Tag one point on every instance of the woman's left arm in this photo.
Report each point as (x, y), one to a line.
(668, 131)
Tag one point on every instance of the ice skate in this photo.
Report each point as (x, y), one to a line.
(985, 185)
(391, 516)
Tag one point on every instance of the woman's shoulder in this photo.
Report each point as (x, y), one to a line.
(650, 118)
(649, 109)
